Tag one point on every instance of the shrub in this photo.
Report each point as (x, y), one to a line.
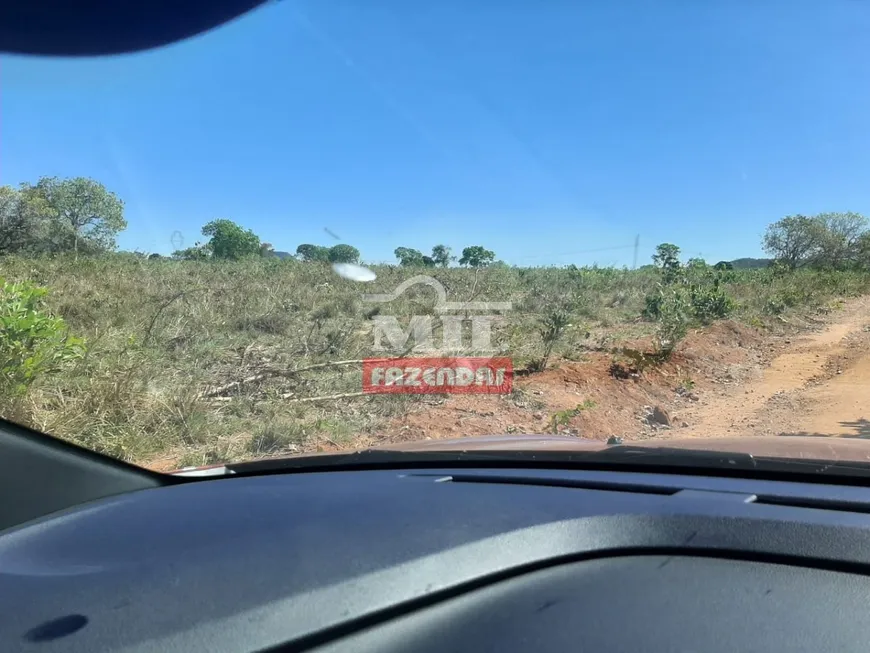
(552, 327)
(653, 305)
(710, 303)
(32, 341)
(706, 301)
(674, 318)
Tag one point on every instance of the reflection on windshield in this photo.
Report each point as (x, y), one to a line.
(325, 228)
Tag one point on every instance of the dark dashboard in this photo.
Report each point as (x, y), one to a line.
(98, 556)
(445, 559)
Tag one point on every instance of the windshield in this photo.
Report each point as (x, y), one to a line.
(334, 226)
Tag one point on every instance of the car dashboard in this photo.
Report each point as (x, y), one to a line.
(464, 559)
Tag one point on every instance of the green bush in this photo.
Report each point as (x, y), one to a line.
(673, 311)
(710, 303)
(32, 341)
(652, 309)
(674, 319)
(706, 300)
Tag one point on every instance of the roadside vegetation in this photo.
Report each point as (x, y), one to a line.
(228, 349)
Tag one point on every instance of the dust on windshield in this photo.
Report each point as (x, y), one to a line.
(332, 226)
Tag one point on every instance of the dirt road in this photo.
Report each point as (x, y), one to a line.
(819, 385)
(744, 382)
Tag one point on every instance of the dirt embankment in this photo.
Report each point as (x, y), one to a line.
(811, 378)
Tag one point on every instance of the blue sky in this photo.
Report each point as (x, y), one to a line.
(541, 129)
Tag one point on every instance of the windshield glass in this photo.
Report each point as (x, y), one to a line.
(334, 226)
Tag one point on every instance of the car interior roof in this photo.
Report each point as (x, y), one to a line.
(108, 27)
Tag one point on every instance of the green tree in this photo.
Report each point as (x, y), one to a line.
(667, 255)
(230, 241)
(80, 213)
(413, 258)
(47, 233)
(441, 256)
(18, 228)
(667, 259)
(309, 252)
(826, 240)
(343, 254)
(794, 241)
(840, 239)
(409, 257)
(476, 257)
(862, 256)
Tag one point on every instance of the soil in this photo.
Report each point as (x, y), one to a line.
(802, 376)
(809, 377)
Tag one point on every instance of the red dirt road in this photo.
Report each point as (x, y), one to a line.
(726, 380)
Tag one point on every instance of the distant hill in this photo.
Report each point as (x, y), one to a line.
(282, 255)
(748, 263)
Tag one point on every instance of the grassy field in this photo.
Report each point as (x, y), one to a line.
(204, 357)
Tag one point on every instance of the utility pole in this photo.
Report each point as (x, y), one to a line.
(636, 245)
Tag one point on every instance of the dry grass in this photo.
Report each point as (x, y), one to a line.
(161, 333)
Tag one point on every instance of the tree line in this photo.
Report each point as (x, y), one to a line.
(80, 215)
(227, 240)
(474, 256)
(441, 256)
(826, 241)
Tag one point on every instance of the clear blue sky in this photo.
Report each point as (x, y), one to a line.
(538, 129)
